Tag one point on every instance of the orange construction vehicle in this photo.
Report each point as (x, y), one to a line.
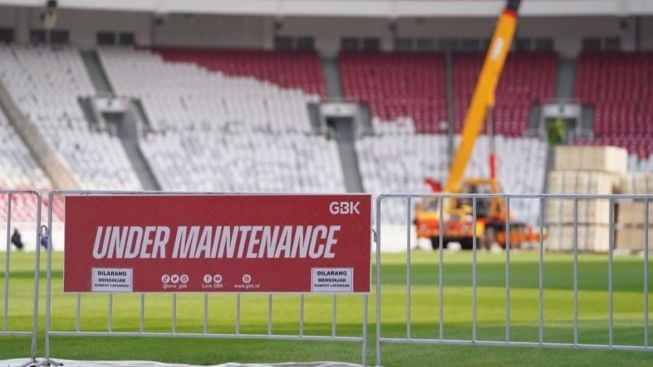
(457, 221)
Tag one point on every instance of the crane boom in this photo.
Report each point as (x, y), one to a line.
(484, 92)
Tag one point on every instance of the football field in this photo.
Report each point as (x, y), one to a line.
(628, 283)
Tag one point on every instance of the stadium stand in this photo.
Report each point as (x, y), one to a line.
(407, 97)
(528, 78)
(409, 88)
(212, 131)
(286, 69)
(400, 162)
(620, 88)
(405, 88)
(18, 170)
(17, 166)
(46, 83)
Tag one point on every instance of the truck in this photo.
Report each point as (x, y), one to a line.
(455, 220)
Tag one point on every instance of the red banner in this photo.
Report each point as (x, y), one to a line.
(218, 243)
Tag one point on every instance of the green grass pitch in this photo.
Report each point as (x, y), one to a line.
(491, 300)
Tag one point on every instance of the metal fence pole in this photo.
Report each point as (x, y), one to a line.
(647, 227)
(141, 324)
(610, 274)
(576, 271)
(301, 314)
(205, 314)
(507, 220)
(378, 280)
(78, 311)
(110, 313)
(37, 277)
(269, 314)
(365, 334)
(237, 314)
(48, 283)
(541, 274)
(474, 265)
(174, 313)
(440, 269)
(408, 280)
(5, 321)
(334, 316)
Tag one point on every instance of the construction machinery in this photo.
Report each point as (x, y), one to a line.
(456, 217)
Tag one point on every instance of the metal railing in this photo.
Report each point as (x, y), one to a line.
(173, 331)
(409, 334)
(9, 196)
(539, 249)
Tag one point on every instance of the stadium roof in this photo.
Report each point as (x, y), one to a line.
(359, 8)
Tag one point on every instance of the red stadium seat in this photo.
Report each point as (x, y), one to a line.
(396, 85)
(288, 69)
(620, 87)
(527, 79)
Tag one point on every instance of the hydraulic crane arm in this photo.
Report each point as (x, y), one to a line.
(484, 92)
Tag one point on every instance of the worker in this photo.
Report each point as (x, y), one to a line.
(16, 239)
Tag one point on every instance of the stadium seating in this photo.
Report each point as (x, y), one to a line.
(211, 131)
(620, 87)
(17, 167)
(400, 162)
(528, 78)
(405, 88)
(409, 88)
(18, 170)
(46, 83)
(287, 69)
(406, 94)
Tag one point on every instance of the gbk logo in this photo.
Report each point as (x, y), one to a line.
(344, 207)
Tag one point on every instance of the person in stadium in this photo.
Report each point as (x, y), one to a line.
(45, 241)
(16, 239)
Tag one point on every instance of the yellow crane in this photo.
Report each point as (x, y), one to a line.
(457, 221)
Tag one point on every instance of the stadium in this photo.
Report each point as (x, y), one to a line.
(326, 182)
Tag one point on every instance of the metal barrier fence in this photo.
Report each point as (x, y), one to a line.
(141, 330)
(28, 213)
(574, 222)
(549, 217)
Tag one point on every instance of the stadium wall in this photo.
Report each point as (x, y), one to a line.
(215, 31)
(354, 8)
(205, 30)
(328, 32)
(647, 31)
(82, 25)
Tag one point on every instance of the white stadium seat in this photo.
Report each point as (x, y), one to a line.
(46, 83)
(214, 132)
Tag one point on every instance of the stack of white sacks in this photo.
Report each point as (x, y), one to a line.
(210, 131)
(583, 170)
(631, 218)
(400, 163)
(46, 83)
